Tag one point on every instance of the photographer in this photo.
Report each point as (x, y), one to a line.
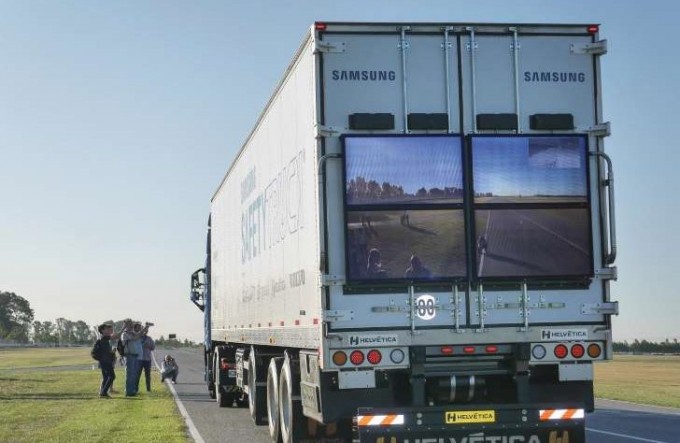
(169, 369)
(131, 336)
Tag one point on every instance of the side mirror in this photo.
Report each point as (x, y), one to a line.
(197, 294)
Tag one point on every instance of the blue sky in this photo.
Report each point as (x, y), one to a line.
(509, 167)
(119, 119)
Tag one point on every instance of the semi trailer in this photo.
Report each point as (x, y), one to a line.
(415, 242)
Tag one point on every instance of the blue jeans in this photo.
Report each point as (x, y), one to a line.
(131, 374)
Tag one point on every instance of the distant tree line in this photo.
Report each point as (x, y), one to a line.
(360, 188)
(18, 325)
(644, 346)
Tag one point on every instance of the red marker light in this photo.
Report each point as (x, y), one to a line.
(448, 350)
(577, 351)
(469, 349)
(356, 357)
(320, 26)
(491, 349)
(561, 351)
(593, 29)
(374, 357)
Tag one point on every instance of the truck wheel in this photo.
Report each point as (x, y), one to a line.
(224, 399)
(257, 395)
(293, 423)
(273, 374)
(210, 369)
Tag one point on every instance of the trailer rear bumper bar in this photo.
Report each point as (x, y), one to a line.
(489, 423)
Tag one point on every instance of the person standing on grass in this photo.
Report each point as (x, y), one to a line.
(132, 333)
(106, 359)
(148, 345)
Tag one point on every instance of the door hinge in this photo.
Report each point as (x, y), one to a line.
(321, 46)
(599, 130)
(332, 280)
(596, 48)
(607, 273)
(334, 315)
(327, 131)
(604, 308)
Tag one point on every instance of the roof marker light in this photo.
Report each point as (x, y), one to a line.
(593, 29)
(469, 349)
(319, 26)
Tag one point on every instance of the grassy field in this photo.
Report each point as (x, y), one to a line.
(57, 401)
(646, 379)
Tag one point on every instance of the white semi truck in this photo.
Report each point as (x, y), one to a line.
(416, 241)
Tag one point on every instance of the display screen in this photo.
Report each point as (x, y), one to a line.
(403, 170)
(533, 242)
(529, 169)
(405, 244)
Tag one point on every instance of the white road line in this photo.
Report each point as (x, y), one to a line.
(182, 410)
(597, 431)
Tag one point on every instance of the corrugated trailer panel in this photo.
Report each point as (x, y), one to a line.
(265, 257)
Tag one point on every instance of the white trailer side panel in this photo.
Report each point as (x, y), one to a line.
(265, 257)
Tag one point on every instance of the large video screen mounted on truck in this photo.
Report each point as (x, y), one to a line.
(403, 170)
(404, 208)
(531, 212)
(529, 169)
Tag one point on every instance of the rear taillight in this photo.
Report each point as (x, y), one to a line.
(594, 350)
(374, 356)
(224, 364)
(577, 351)
(356, 357)
(561, 351)
(339, 358)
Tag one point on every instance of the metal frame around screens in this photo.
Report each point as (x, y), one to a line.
(474, 207)
(400, 207)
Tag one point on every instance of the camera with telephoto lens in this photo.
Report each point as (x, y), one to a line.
(148, 324)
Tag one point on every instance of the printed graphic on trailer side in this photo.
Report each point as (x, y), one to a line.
(373, 340)
(564, 334)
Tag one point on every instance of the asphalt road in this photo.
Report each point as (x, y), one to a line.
(614, 422)
(534, 242)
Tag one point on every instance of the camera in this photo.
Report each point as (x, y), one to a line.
(148, 324)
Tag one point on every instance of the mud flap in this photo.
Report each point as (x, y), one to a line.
(547, 423)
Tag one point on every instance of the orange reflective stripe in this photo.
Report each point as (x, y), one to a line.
(545, 415)
(569, 413)
(365, 420)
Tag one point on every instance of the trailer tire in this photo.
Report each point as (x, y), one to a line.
(273, 418)
(223, 399)
(257, 395)
(293, 422)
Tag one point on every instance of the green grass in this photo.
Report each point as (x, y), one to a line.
(57, 404)
(646, 379)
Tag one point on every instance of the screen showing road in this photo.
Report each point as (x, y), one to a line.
(407, 244)
(547, 169)
(403, 170)
(533, 242)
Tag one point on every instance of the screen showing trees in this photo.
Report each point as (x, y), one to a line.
(531, 206)
(403, 170)
(404, 200)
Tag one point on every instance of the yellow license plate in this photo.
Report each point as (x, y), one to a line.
(462, 417)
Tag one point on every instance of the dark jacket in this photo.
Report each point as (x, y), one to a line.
(107, 354)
